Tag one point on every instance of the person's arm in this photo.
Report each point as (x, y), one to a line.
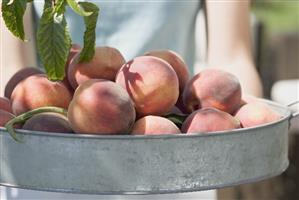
(229, 42)
(16, 54)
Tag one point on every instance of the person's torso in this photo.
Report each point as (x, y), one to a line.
(135, 27)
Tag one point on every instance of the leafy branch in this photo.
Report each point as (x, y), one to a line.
(53, 37)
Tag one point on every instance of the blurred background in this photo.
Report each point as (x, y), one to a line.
(275, 27)
(275, 35)
(278, 41)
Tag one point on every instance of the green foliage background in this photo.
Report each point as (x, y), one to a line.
(277, 15)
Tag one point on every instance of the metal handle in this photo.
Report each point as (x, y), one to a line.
(295, 114)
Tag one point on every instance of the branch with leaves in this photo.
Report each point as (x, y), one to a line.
(53, 37)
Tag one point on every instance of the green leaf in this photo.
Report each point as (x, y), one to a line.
(178, 119)
(77, 8)
(48, 4)
(13, 13)
(90, 33)
(60, 6)
(53, 43)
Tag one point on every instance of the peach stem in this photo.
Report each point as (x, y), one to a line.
(25, 116)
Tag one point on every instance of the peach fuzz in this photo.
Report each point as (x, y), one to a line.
(179, 66)
(18, 77)
(5, 104)
(75, 49)
(209, 120)
(5, 117)
(48, 122)
(101, 107)
(104, 65)
(213, 88)
(154, 125)
(38, 91)
(176, 62)
(151, 83)
(255, 114)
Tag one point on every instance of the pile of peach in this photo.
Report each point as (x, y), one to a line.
(111, 96)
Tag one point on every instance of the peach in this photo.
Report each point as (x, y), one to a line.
(104, 65)
(151, 83)
(213, 88)
(176, 62)
(5, 117)
(179, 66)
(154, 125)
(38, 91)
(246, 98)
(209, 120)
(5, 104)
(75, 49)
(101, 107)
(18, 77)
(48, 122)
(256, 113)
(68, 85)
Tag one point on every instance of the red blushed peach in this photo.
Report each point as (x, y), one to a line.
(213, 88)
(18, 77)
(104, 65)
(75, 49)
(5, 104)
(154, 125)
(179, 66)
(48, 122)
(246, 98)
(151, 83)
(5, 117)
(101, 107)
(209, 120)
(256, 113)
(38, 91)
(176, 62)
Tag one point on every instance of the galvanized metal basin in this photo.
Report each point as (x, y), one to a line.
(144, 164)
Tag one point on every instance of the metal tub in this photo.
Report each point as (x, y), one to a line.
(128, 164)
